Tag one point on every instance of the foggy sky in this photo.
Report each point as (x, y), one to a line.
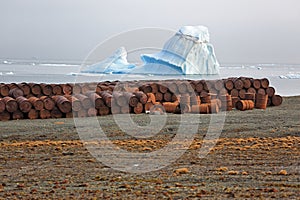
(242, 31)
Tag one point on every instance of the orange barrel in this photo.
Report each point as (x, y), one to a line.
(148, 106)
(16, 92)
(11, 104)
(276, 100)
(270, 91)
(24, 105)
(159, 96)
(2, 105)
(243, 105)
(45, 114)
(185, 99)
(17, 115)
(151, 97)
(238, 84)
(104, 110)
(4, 90)
(251, 90)
(4, 116)
(67, 89)
(261, 101)
(48, 102)
(63, 104)
(256, 83)
(25, 88)
(264, 82)
(141, 96)
(167, 97)
(250, 96)
(234, 92)
(170, 107)
(229, 85)
(33, 114)
(242, 93)
(36, 103)
(46, 89)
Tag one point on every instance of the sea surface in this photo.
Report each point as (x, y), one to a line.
(284, 78)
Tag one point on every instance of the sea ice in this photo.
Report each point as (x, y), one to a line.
(115, 64)
(187, 52)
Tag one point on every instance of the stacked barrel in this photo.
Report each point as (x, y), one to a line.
(33, 101)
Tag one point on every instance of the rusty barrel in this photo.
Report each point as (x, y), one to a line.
(48, 102)
(256, 83)
(250, 96)
(246, 82)
(2, 105)
(36, 103)
(120, 99)
(138, 109)
(63, 104)
(56, 113)
(96, 99)
(170, 107)
(25, 88)
(16, 92)
(228, 83)
(226, 102)
(57, 89)
(276, 100)
(167, 97)
(264, 82)
(173, 87)
(35, 89)
(67, 89)
(46, 89)
(44, 114)
(131, 99)
(141, 96)
(4, 90)
(11, 104)
(33, 114)
(234, 101)
(195, 99)
(17, 115)
(85, 101)
(185, 99)
(92, 112)
(261, 101)
(238, 84)
(104, 110)
(213, 107)
(76, 104)
(242, 93)
(234, 92)
(243, 105)
(270, 91)
(145, 88)
(24, 105)
(159, 96)
(4, 116)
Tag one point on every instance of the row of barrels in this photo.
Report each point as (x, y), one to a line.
(32, 100)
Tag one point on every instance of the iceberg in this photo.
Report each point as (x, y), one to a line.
(115, 64)
(187, 52)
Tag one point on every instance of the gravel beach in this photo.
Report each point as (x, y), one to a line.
(256, 156)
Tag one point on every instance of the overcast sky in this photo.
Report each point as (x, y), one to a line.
(242, 31)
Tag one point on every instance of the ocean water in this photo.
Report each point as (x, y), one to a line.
(284, 78)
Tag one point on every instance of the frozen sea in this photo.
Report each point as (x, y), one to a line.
(284, 78)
